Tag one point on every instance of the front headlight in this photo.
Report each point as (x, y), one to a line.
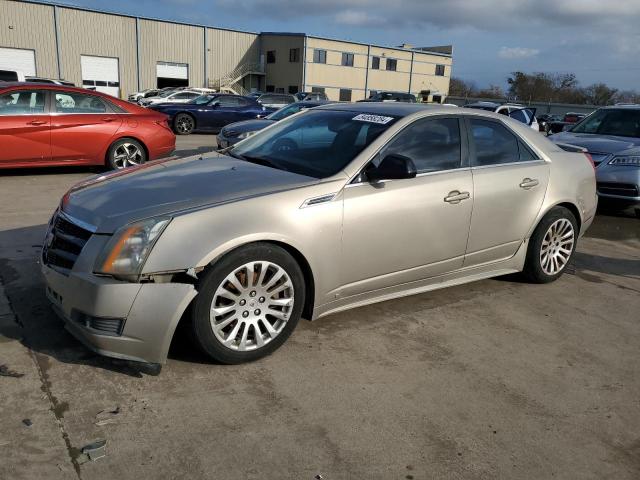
(125, 254)
(626, 160)
(246, 134)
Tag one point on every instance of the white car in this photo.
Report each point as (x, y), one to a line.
(176, 96)
(526, 115)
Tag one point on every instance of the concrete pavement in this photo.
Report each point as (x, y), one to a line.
(494, 379)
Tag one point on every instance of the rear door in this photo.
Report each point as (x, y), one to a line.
(82, 127)
(25, 132)
(509, 184)
(228, 109)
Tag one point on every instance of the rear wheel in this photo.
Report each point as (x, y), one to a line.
(248, 304)
(184, 124)
(551, 246)
(124, 153)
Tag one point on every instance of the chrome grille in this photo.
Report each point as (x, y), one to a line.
(63, 243)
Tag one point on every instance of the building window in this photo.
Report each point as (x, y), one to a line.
(440, 70)
(347, 59)
(345, 95)
(392, 64)
(319, 56)
(271, 56)
(293, 89)
(317, 89)
(375, 63)
(294, 55)
(280, 90)
(271, 88)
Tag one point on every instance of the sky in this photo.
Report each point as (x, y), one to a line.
(598, 40)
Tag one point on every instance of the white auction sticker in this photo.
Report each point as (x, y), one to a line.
(366, 117)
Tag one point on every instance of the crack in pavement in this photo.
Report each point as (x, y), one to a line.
(56, 408)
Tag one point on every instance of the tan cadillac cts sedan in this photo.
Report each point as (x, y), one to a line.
(336, 207)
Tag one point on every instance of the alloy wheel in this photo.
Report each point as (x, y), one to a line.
(252, 306)
(184, 124)
(127, 155)
(557, 246)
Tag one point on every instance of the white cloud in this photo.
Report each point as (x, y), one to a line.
(517, 52)
(357, 18)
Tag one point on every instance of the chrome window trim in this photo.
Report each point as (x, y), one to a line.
(419, 175)
(510, 164)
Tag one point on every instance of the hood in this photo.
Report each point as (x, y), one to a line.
(167, 186)
(247, 126)
(604, 144)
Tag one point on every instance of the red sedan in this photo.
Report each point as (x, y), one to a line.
(47, 125)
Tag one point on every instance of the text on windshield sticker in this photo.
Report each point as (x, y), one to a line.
(365, 117)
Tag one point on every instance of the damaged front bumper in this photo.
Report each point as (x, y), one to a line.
(131, 321)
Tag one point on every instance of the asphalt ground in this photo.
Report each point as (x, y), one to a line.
(494, 379)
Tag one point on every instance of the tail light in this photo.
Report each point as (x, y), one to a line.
(590, 158)
(164, 123)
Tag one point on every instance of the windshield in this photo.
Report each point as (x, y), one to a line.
(317, 144)
(202, 99)
(166, 94)
(620, 122)
(284, 112)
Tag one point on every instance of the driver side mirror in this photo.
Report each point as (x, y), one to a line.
(392, 167)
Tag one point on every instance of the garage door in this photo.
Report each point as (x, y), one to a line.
(100, 74)
(18, 59)
(172, 74)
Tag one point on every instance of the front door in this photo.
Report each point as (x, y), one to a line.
(82, 126)
(401, 231)
(509, 182)
(24, 128)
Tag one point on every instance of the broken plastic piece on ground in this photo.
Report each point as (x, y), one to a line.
(27, 422)
(95, 450)
(6, 372)
(107, 416)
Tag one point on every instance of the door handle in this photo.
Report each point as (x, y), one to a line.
(36, 122)
(108, 119)
(456, 196)
(528, 183)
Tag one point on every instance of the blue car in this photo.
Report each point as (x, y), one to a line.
(209, 113)
(611, 135)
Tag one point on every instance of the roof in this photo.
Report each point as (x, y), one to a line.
(422, 50)
(397, 109)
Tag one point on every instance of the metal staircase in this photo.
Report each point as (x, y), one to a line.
(231, 82)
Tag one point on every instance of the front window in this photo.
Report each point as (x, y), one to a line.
(201, 100)
(319, 56)
(271, 56)
(375, 63)
(347, 59)
(294, 55)
(392, 64)
(345, 95)
(620, 122)
(317, 144)
(440, 70)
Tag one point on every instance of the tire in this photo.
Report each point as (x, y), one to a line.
(551, 246)
(230, 323)
(184, 124)
(124, 153)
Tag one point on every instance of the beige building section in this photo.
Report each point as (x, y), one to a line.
(283, 74)
(170, 42)
(30, 26)
(84, 33)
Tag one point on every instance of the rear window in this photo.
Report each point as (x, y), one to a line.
(620, 122)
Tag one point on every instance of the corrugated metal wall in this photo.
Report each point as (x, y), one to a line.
(102, 35)
(169, 42)
(226, 50)
(30, 26)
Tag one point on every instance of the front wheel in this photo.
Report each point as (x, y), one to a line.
(125, 153)
(248, 304)
(551, 246)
